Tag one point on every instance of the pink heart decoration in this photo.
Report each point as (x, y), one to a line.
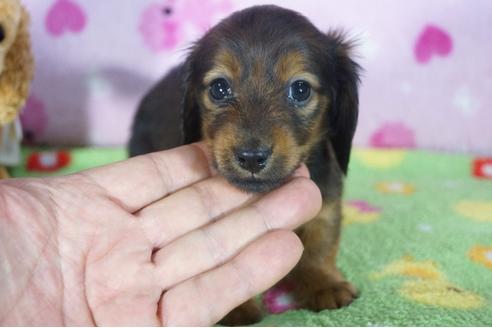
(363, 206)
(393, 135)
(432, 41)
(166, 24)
(278, 299)
(64, 16)
(160, 30)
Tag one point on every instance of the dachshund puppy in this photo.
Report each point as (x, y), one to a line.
(267, 91)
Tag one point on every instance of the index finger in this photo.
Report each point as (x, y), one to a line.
(137, 182)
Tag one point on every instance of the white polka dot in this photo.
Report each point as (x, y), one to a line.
(465, 102)
(285, 300)
(424, 227)
(367, 47)
(488, 256)
(487, 170)
(48, 159)
(99, 86)
(396, 186)
(406, 88)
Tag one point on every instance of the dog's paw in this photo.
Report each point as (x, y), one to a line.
(333, 296)
(245, 314)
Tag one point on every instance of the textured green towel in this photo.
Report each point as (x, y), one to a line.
(417, 239)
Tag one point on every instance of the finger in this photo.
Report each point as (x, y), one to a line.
(200, 204)
(139, 181)
(205, 299)
(190, 208)
(207, 247)
(302, 171)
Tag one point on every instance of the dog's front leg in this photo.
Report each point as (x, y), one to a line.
(318, 283)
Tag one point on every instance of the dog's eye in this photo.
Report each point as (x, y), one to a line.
(220, 89)
(300, 90)
(2, 33)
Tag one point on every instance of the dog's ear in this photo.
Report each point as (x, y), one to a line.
(344, 104)
(191, 117)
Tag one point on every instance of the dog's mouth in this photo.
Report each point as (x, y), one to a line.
(252, 177)
(255, 184)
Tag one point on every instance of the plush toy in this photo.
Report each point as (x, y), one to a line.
(16, 70)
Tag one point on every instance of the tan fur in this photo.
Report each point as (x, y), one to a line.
(4, 174)
(224, 143)
(18, 64)
(319, 284)
(227, 66)
(286, 146)
(289, 65)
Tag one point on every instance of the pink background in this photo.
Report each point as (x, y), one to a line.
(427, 80)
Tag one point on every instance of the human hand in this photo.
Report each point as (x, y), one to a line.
(153, 240)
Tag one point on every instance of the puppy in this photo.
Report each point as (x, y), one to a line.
(267, 91)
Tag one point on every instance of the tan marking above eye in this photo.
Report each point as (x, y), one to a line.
(292, 67)
(225, 65)
(216, 73)
(290, 64)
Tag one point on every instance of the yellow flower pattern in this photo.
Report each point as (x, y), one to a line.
(475, 210)
(395, 187)
(428, 285)
(482, 255)
(358, 211)
(380, 158)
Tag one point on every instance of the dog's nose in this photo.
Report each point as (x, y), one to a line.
(253, 160)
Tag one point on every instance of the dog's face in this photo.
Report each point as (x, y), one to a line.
(261, 89)
(261, 113)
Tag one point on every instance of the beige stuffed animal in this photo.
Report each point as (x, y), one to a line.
(16, 70)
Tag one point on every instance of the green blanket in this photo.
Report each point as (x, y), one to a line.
(417, 239)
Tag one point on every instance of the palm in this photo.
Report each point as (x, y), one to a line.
(139, 250)
(92, 254)
(117, 273)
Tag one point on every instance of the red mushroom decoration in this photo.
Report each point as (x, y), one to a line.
(48, 161)
(482, 168)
